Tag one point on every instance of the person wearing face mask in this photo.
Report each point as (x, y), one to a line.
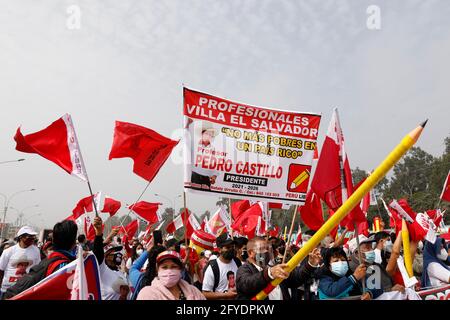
(114, 283)
(215, 281)
(64, 252)
(383, 245)
(337, 281)
(436, 271)
(24, 248)
(168, 285)
(376, 277)
(259, 271)
(241, 248)
(136, 252)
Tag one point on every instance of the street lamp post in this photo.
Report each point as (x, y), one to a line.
(9, 161)
(172, 202)
(21, 213)
(6, 205)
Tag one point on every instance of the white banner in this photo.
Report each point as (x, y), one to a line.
(239, 151)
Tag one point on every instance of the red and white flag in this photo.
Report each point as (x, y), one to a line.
(57, 143)
(148, 149)
(445, 195)
(176, 224)
(298, 241)
(275, 205)
(186, 219)
(59, 285)
(79, 285)
(147, 211)
(85, 205)
(436, 216)
(418, 223)
(111, 206)
(219, 221)
(332, 180)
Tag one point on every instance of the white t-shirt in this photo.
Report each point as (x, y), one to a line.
(111, 280)
(8, 263)
(438, 274)
(224, 268)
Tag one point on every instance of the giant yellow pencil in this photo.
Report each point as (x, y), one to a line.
(407, 249)
(300, 179)
(407, 142)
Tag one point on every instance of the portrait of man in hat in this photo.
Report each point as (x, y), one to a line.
(204, 135)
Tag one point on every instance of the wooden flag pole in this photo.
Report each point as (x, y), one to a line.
(290, 234)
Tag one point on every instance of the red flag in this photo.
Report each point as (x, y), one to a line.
(130, 229)
(274, 232)
(111, 206)
(83, 206)
(247, 222)
(239, 207)
(55, 286)
(148, 149)
(57, 143)
(311, 213)
(89, 230)
(147, 211)
(435, 215)
(445, 195)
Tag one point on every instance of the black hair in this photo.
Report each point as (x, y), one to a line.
(240, 242)
(151, 270)
(333, 252)
(81, 238)
(64, 235)
(170, 243)
(310, 233)
(381, 235)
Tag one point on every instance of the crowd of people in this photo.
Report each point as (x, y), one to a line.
(237, 268)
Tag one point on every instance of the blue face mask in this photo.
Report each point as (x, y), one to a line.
(370, 256)
(339, 268)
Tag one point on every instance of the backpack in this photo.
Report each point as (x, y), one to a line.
(216, 272)
(36, 274)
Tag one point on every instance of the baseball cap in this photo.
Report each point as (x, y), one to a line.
(353, 246)
(169, 254)
(26, 230)
(224, 239)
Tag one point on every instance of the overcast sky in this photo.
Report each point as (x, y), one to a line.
(129, 60)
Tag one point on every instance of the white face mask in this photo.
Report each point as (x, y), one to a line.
(139, 252)
(443, 255)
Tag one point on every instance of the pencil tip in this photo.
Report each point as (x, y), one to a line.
(423, 124)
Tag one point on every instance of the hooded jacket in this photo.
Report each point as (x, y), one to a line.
(157, 291)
